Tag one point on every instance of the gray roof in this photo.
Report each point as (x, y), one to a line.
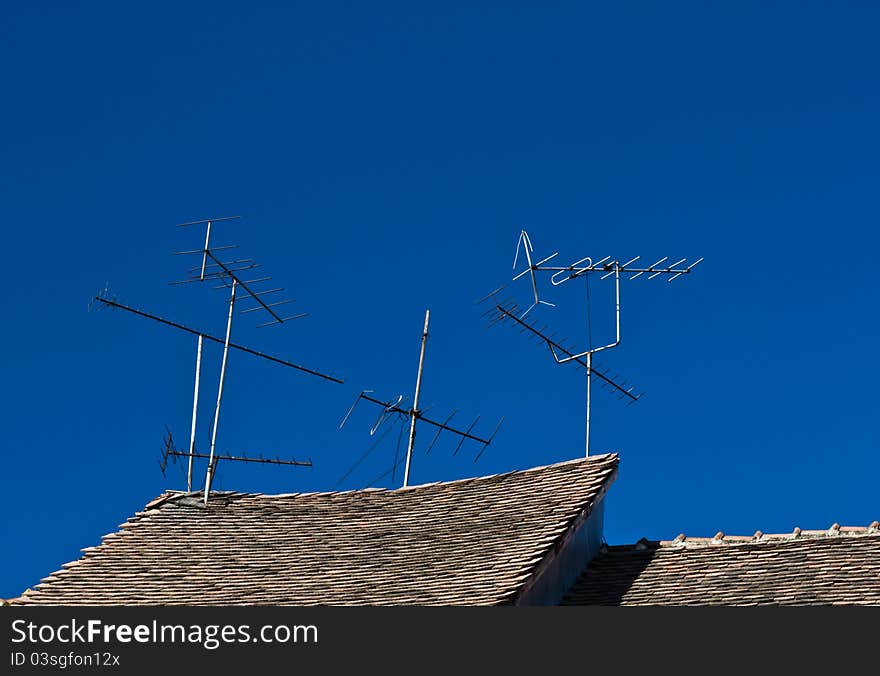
(474, 541)
(838, 566)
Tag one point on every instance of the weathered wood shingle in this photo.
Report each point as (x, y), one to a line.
(836, 567)
(474, 541)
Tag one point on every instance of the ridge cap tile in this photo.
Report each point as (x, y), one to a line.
(834, 566)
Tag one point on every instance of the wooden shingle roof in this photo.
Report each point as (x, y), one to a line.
(473, 541)
(840, 566)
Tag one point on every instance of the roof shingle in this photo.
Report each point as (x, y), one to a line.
(840, 566)
(473, 541)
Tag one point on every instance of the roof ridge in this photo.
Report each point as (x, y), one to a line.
(598, 459)
(500, 527)
(720, 538)
(170, 496)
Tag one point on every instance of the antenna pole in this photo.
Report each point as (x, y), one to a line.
(414, 413)
(205, 252)
(192, 436)
(605, 268)
(617, 295)
(589, 387)
(211, 466)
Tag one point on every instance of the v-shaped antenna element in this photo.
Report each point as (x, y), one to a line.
(525, 243)
(414, 414)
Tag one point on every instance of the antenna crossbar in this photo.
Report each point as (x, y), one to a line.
(242, 458)
(171, 451)
(394, 408)
(608, 268)
(276, 303)
(226, 273)
(243, 285)
(605, 267)
(208, 220)
(414, 414)
(221, 341)
(556, 349)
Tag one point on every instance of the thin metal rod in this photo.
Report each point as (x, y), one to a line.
(209, 266)
(556, 347)
(465, 436)
(256, 353)
(192, 436)
(616, 310)
(414, 413)
(208, 220)
(244, 458)
(288, 318)
(395, 408)
(211, 461)
(205, 252)
(439, 430)
(260, 293)
(486, 445)
(616, 342)
(589, 388)
(250, 281)
(198, 251)
(363, 456)
(526, 243)
(250, 293)
(576, 271)
(254, 309)
(532, 271)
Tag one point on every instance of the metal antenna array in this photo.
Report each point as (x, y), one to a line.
(507, 310)
(229, 274)
(171, 451)
(414, 414)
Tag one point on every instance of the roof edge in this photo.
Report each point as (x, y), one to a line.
(173, 496)
(720, 539)
(170, 496)
(555, 548)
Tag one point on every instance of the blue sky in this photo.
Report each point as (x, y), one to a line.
(384, 158)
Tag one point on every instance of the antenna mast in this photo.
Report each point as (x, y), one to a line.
(415, 406)
(209, 475)
(415, 414)
(229, 274)
(192, 436)
(507, 310)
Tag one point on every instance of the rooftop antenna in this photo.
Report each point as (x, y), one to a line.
(229, 274)
(171, 451)
(606, 267)
(415, 414)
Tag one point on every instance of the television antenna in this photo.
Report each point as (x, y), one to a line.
(229, 274)
(606, 267)
(398, 409)
(171, 451)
